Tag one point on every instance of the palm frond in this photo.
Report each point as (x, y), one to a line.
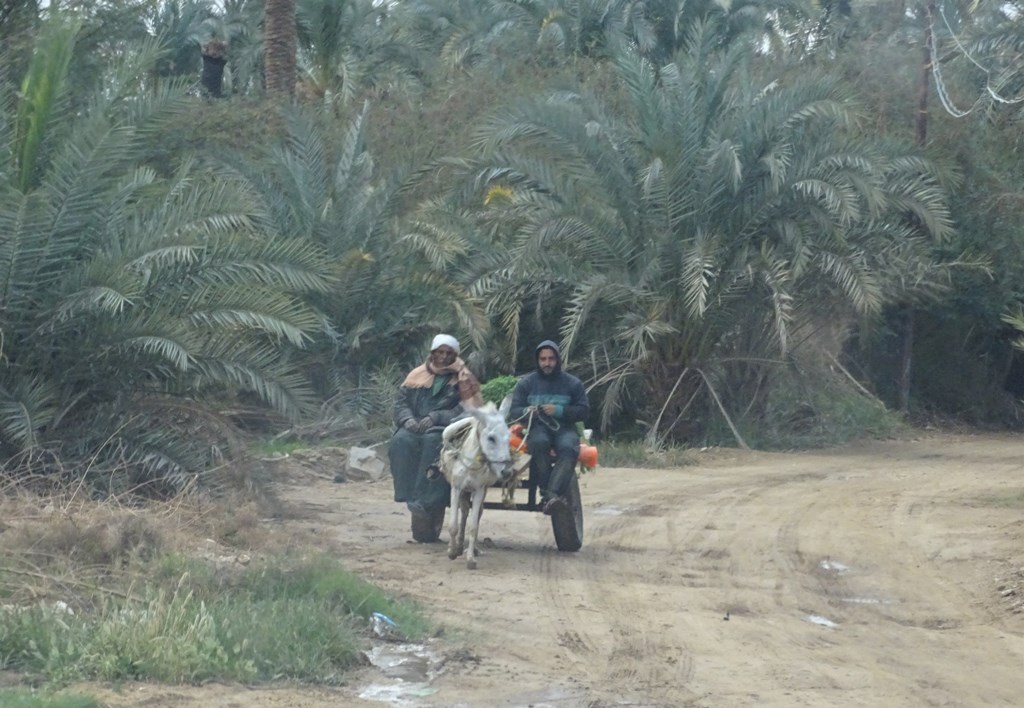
(27, 405)
(41, 91)
(95, 299)
(700, 268)
(855, 280)
(256, 369)
(24, 219)
(279, 325)
(166, 349)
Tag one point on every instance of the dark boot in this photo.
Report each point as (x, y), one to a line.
(561, 476)
(540, 475)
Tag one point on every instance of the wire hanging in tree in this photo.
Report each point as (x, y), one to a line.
(940, 86)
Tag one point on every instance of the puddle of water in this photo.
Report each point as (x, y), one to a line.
(867, 601)
(552, 697)
(829, 564)
(608, 511)
(822, 621)
(409, 668)
(401, 696)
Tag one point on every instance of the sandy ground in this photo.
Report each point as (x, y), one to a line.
(886, 574)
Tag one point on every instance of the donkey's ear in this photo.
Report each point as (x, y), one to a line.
(506, 406)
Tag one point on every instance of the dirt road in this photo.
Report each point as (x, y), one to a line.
(887, 574)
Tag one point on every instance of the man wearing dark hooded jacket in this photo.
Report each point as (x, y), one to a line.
(552, 401)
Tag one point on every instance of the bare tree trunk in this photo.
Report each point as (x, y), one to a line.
(905, 323)
(921, 128)
(921, 134)
(279, 47)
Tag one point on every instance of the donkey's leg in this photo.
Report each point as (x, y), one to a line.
(454, 539)
(474, 525)
(463, 518)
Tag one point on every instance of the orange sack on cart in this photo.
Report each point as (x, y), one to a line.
(588, 453)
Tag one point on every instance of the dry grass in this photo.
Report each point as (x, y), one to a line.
(62, 545)
(194, 588)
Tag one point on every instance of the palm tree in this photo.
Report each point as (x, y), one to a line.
(938, 37)
(702, 226)
(388, 297)
(467, 33)
(133, 309)
(589, 27)
(347, 46)
(280, 40)
(655, 29)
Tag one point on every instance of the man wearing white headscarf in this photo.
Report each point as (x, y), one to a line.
(429, 399)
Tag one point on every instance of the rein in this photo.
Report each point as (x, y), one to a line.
(551, 423)
(472, 433)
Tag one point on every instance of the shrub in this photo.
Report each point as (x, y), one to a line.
(276, 619)
(811, 409)
(497, 388)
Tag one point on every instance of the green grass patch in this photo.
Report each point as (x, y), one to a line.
(303, 620)
(638, 454)
(26, 698)
(269, 448)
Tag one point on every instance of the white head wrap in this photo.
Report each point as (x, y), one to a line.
(445, 340)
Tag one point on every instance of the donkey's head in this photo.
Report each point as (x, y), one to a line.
(493, 435)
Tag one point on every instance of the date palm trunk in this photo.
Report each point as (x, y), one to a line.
(906, 321)
(279, 47)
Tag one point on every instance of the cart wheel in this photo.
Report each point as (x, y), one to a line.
(426, 526)
(567, 522)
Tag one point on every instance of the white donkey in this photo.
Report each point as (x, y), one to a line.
(475, 456)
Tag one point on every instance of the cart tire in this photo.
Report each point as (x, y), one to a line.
(567, 522)
(426, 526)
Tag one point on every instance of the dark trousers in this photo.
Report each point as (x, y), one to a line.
(410, 454)
(540, 442)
